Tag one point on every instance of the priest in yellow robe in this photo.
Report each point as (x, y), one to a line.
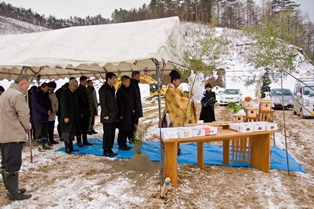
(180, 109)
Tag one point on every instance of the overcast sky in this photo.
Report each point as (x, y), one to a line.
(307, 7)
(79, 8)
(83, 8)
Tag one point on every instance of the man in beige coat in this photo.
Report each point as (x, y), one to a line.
(14, 117)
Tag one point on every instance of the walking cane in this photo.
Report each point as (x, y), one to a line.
(30, 146)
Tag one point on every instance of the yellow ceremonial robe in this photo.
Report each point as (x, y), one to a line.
(179, 107)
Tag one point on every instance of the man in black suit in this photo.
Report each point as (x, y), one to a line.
(58, 94)
(85, 110)
(125, 110)
(69, 115)
(109, 113)
(135, 94)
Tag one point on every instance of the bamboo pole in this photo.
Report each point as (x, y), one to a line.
(284, 122)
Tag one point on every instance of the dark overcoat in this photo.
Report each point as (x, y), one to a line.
(208, 111)
(125, 108)
(85, 108)
(58, 94)
(69, 109)
(108, 104)
(136, 98)
(92, 100)
(40, 105)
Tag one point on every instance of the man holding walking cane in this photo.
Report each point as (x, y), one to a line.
(14, 117)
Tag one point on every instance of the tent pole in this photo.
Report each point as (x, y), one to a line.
(161, 174)
(29, 132)
(37, 74)
(24, 68)
(284, 122)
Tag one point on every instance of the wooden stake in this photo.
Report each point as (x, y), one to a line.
(164, 189)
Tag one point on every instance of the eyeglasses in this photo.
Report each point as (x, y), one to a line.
(26, 83)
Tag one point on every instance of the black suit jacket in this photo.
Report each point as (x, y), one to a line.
(136, 98)
(125, 108)
(69, 109)
(108, 104)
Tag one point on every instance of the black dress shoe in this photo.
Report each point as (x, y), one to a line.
(68, 151)
(21, 190)
(125, 148)
(110, 154)
(90, 133)
(75, 150)
(87, 143)
(46, 146)
(113, 153)
(18, 196)
(54, 142)
(94, 132)
(80, 144)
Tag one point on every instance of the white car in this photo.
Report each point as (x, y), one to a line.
(276, 97)
(230, 95)
(303, 104)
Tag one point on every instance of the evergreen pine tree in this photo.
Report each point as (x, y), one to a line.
(266, 82)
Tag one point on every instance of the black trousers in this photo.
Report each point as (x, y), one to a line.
(11, 154)
(123, 135)
(84, 124)
(108, 136)
(41, 131)
(68, 137)
(59, 126)
(51, 128)
(134, 125)
(92, 123)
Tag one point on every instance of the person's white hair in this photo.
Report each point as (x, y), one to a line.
(21, 78)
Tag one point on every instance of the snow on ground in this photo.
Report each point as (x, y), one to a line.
(58, 180)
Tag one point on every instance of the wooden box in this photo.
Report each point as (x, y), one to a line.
(258, 126)
(168, 133)
(251, 112)
(241, 127)
(198, 131)
(265, 104)
(212, 130)
(238, 118)
(269, 126)
(185, 132)
(209, 130)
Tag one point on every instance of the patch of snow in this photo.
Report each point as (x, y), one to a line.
(12, 26)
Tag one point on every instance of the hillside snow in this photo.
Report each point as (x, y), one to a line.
(57, 180)
(12, 26)
(234, 56)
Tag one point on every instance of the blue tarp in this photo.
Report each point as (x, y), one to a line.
(212, 154)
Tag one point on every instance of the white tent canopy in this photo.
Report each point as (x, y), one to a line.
(92, 50)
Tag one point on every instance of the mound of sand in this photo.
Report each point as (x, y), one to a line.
(140, 163)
